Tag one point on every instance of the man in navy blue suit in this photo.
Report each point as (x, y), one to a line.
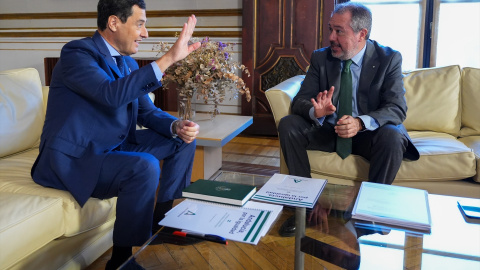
(90, 145)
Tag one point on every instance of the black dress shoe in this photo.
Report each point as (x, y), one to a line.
(288, 227)
(131, 265)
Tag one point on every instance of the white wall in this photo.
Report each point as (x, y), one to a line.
(21, 47)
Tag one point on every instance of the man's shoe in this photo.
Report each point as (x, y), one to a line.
(288, 227)
(131, 265)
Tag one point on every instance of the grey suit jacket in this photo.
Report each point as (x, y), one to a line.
(381, 94)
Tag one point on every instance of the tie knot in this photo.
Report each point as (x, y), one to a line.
(347, 64)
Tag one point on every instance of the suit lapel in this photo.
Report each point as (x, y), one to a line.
(102, 48)
(370, 66)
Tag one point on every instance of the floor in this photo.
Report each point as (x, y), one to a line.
(245, 160)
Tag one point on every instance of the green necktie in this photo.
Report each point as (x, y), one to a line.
(344, 145)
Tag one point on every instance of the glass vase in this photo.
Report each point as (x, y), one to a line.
(186, 105)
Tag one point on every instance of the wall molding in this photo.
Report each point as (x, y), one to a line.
(93, 14)
(76, 34)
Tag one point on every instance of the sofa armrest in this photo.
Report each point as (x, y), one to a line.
(281, 95)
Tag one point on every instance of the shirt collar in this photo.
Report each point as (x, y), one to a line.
(110, 48)
(357, 59)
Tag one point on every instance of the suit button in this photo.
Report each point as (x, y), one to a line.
(106, 150)
(122, 137)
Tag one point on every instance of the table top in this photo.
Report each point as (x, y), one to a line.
(453, 242)
(220, 130)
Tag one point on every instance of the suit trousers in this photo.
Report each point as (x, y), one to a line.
(132, 173)
(384, 147)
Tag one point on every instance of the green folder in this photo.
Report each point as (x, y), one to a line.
(221, 192)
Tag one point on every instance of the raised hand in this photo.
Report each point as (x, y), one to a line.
(180, 48)
(322, 105)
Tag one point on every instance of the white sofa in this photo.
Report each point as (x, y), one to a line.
(40, 228)
(443, 120)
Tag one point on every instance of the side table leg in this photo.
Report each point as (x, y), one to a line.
(300, 215)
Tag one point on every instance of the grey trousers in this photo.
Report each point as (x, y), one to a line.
(384, 147)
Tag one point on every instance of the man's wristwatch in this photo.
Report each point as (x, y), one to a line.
(361, 123)
(174, 128)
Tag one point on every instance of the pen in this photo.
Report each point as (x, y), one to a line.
(208, 237)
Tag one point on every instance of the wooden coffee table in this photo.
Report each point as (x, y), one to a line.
(213, 135)
(452, 244)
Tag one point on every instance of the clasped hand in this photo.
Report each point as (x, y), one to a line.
(187, 130)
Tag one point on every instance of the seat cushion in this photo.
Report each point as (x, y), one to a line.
(15, 178)
(474, 143)
(442, 157)
(433, 94)
(27, 223)
(470, 101)
(22, 114)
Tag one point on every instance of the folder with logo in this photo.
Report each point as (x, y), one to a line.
(291, 190)
(231, 222)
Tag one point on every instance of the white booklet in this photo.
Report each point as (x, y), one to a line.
(235, 223)
(393, 205)
(291, 190)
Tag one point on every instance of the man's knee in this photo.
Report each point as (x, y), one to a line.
(146, 166)
(389, 136)
(290, 124)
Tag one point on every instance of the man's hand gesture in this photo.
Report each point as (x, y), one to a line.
(181, 48)
(323, 104)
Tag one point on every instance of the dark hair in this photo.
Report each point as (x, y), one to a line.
(120, 8)
(361, 16)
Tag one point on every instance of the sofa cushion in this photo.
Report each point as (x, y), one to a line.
(474, 143)
(27, 223)
(15, 178)
(442, 157)
(433, 94)
(470, 101)
(22, 114)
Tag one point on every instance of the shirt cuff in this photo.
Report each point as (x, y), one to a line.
(369, 122)
(317, 121)
(157, 71)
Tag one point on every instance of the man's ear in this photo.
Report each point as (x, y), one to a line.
(113, 22)
(363, 34)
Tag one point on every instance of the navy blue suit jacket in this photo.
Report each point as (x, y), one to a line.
(91, 110)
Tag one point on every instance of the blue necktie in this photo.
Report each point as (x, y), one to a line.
(120, 64)
(344, 145)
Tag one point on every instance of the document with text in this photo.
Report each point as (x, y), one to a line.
(291, 190)
(228, 221)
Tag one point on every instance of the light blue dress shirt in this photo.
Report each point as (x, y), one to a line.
(114, 52)
(356, 68)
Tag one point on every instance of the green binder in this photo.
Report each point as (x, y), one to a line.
(221, 192)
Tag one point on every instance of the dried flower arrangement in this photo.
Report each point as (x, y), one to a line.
(209, 72)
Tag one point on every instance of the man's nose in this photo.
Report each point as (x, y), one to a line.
(332, 36)
(144, 32)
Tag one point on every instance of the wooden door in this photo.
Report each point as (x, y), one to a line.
(278, 39)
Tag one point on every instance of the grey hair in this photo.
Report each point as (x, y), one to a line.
(361, 16)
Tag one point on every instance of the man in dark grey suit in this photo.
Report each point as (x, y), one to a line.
(378, 102)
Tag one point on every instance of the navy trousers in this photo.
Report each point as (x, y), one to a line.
(384, 147)
(132, 174)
